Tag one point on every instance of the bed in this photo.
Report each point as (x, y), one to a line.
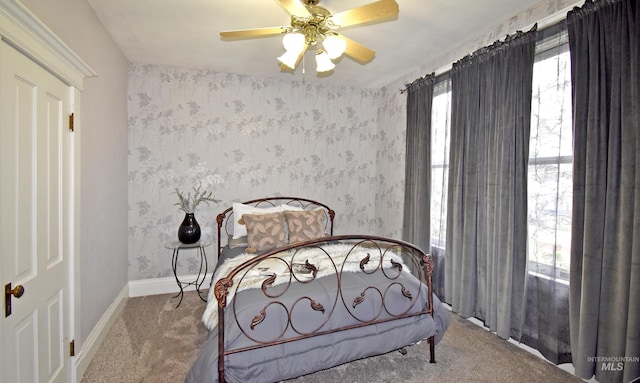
(289, 298)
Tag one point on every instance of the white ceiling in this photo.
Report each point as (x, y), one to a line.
(186, 33)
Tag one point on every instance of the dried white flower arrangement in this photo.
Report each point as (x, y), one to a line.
(189, 203)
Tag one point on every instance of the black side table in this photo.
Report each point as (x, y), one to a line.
(202, 271)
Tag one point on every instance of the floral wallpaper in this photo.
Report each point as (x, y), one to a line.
(242, 138)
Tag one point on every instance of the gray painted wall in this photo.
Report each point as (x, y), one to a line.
(103, 256)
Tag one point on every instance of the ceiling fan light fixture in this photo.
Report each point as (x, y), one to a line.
(293, 42)
(313, 27)
(334, 46)
(289, 58)
(323, 62)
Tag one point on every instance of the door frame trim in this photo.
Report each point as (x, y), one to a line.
(21, 29)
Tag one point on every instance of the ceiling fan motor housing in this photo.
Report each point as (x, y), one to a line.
(313, 27)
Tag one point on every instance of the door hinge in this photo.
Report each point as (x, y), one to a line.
(71, 122)
(72, 348)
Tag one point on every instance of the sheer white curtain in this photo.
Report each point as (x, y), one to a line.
(546, 321)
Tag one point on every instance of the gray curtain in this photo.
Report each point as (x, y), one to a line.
(416, 226)
(604, 299)
(487, 196)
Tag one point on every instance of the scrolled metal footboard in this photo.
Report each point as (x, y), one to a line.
(368, 290)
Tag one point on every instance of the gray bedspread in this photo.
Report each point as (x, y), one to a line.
(300, 357)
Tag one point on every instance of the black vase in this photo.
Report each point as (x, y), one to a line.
(189, 230)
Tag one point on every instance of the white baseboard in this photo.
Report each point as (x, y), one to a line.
(165, 285)
(99, 332)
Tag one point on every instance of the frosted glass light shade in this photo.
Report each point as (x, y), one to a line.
(334, 46)
(293, 42)
(323, 62)
(289, 58)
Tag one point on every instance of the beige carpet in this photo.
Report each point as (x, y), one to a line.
(153, 342)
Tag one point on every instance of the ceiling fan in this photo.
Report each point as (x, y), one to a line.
(314, 26)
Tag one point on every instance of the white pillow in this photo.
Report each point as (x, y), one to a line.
(286, 207)
(240, 230)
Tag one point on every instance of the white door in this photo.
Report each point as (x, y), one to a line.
(34, 220)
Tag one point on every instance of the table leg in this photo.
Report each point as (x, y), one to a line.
(203, 261)
(174, 265)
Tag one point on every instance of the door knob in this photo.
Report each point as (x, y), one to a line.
(16, 291)
(9, 292)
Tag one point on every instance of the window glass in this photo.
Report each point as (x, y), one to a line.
(550, 162)
(440, 128)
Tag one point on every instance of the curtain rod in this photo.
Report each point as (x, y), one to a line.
(426, 77)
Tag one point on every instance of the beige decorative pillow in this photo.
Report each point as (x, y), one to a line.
(305, 225)
(265, 231)
(239, 229)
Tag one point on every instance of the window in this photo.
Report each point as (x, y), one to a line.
(550, 160)
(440, 128)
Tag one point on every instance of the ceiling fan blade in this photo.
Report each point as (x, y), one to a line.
(295, 7)
(380, 10)
(357, 51)
(251, 33)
